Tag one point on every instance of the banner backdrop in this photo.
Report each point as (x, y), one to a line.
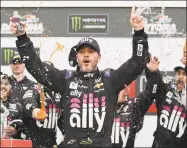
(98, 22)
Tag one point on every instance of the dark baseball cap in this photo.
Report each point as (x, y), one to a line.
(16, 59)
(88, 42)
(177, 68)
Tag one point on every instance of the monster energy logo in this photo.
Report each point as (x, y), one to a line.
(76, 23)
(88, 23)
(8, 54)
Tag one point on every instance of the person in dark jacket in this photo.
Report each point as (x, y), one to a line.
(128, 119)
(42, 131)
(11, 122)
(89, 96)
(19, 82)
(171, 111)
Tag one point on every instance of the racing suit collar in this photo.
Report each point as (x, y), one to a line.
(88, 75)
(23, 80)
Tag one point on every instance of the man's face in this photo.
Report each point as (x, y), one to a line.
(5, 88)
(180, 79)
(17, 68)
(87, 59)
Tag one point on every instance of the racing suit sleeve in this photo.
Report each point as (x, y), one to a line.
(44, 73)
(30, 101)
(145, 99)
(133, 67)
(140, 105)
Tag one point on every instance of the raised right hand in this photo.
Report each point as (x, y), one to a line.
(14, 30)
(137, 22)
(184, 54)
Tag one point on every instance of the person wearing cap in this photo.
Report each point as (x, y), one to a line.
(19, 81)
(20, 84)
(10, 113)
(17, 67)
(171, 131)
(89, 96)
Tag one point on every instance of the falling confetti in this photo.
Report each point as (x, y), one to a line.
(59, 47)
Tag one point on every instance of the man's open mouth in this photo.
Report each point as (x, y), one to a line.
(86, 61)
(3, 90)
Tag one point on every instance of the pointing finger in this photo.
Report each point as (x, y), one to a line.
(133, 10)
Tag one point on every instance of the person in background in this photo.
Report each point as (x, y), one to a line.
(19, 82)
(11, 122)
(128, 119)
(171, 111)
(42, 131)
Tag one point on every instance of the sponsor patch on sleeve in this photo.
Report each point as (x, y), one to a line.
(28, 94)
(107, 73)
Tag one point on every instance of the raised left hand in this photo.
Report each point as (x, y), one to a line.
(137, 22)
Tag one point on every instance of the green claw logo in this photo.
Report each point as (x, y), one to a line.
(8, 54)
(76, 23)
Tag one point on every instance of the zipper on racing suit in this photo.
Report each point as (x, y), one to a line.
(90, 90)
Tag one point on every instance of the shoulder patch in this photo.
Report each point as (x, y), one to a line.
(108, 72)
(28, 94)
(68, 74)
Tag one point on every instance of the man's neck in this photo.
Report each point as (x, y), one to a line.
(18, 77)
(88, 71)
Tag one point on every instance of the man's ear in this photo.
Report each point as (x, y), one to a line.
(76, 58)
(23, 65)
(11, 66)
(99, 58)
